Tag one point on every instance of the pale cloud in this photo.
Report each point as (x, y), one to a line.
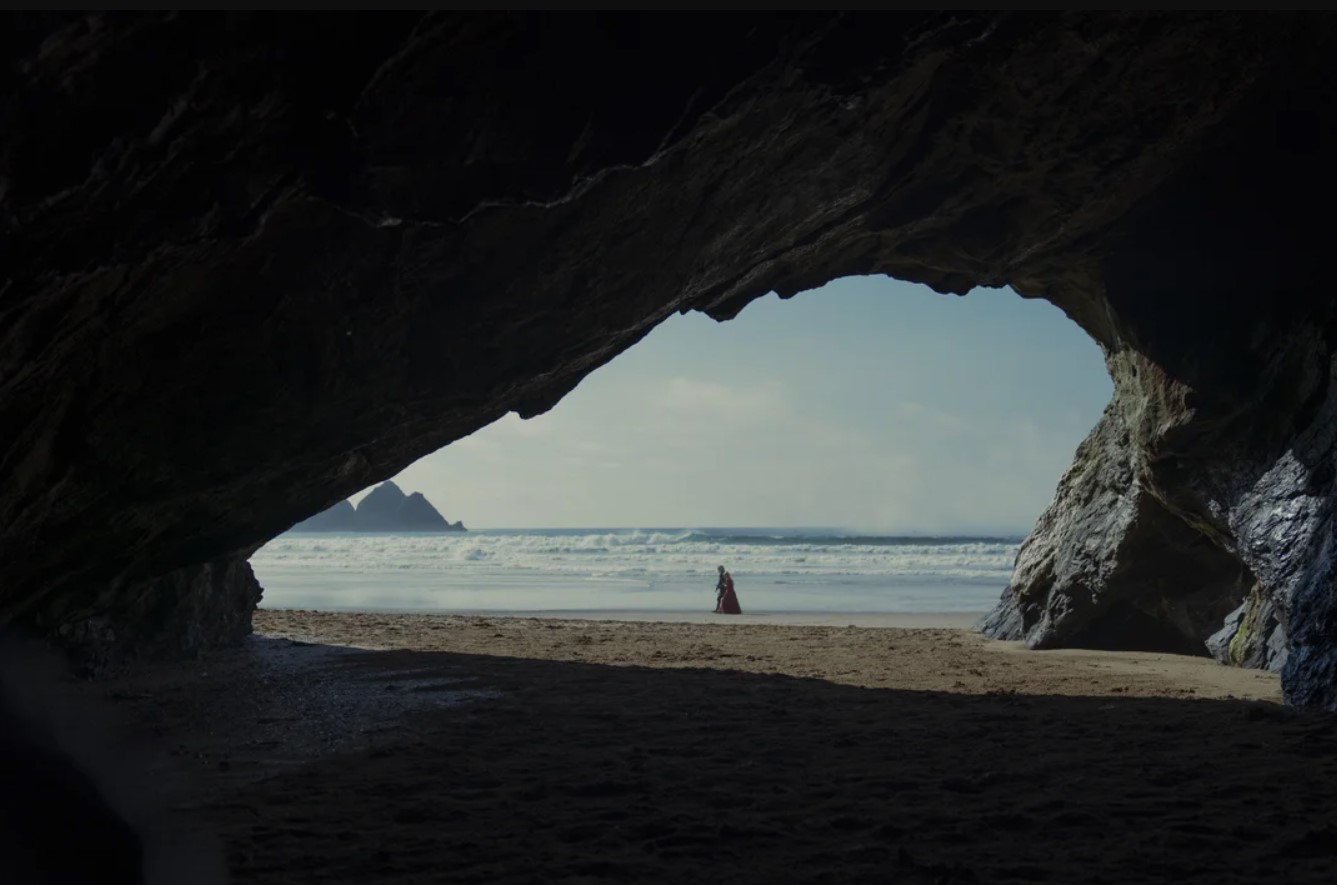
(744, 404)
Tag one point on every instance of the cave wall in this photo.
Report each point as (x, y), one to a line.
(252, 266)
(181, 614)
(1220, 431)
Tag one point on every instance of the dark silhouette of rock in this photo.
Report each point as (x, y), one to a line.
(176, 615)
(379, 510)
(252, 267)
(417, 514)
(342, 517)
(385, 509)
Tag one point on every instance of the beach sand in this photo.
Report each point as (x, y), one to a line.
(370, 748)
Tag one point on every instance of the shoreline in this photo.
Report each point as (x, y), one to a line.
(871, 620)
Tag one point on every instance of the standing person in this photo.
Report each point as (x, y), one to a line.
(726, 600)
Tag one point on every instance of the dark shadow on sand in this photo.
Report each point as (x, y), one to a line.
(591, 773)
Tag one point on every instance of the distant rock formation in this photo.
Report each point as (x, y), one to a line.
(385, 509)
(342, 517)
(379, 511)
(417, 514)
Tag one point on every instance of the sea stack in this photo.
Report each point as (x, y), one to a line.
(385, 509)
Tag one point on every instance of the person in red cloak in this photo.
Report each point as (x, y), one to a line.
(726, 600)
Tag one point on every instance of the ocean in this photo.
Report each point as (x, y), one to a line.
(633, 570)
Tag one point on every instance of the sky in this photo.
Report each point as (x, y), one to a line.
(870, 405)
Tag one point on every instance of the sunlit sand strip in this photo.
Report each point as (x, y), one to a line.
(902, 620)
(910, 655)
(1200, 675)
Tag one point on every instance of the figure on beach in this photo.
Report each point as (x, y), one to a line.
(726, 600)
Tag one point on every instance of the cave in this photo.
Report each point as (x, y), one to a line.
(252, 267)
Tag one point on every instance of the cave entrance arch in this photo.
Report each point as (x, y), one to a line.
(870, 405)
(277, 269)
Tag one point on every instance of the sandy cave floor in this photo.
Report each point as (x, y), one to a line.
(508, 750)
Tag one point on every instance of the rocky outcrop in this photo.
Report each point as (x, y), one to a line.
(252, 267)
(379, 511)
(1108, 565)
(418, 515)
(181, 614)
(1253, 635)
(385, 509)
(1232, 452)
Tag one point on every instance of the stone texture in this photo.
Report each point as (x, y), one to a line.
(1109, 566)
(1253, 635)
(252, 266)
(181, 614)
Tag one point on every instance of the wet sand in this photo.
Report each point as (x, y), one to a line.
(502, 749)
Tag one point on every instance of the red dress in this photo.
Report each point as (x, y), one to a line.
(728, 604)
